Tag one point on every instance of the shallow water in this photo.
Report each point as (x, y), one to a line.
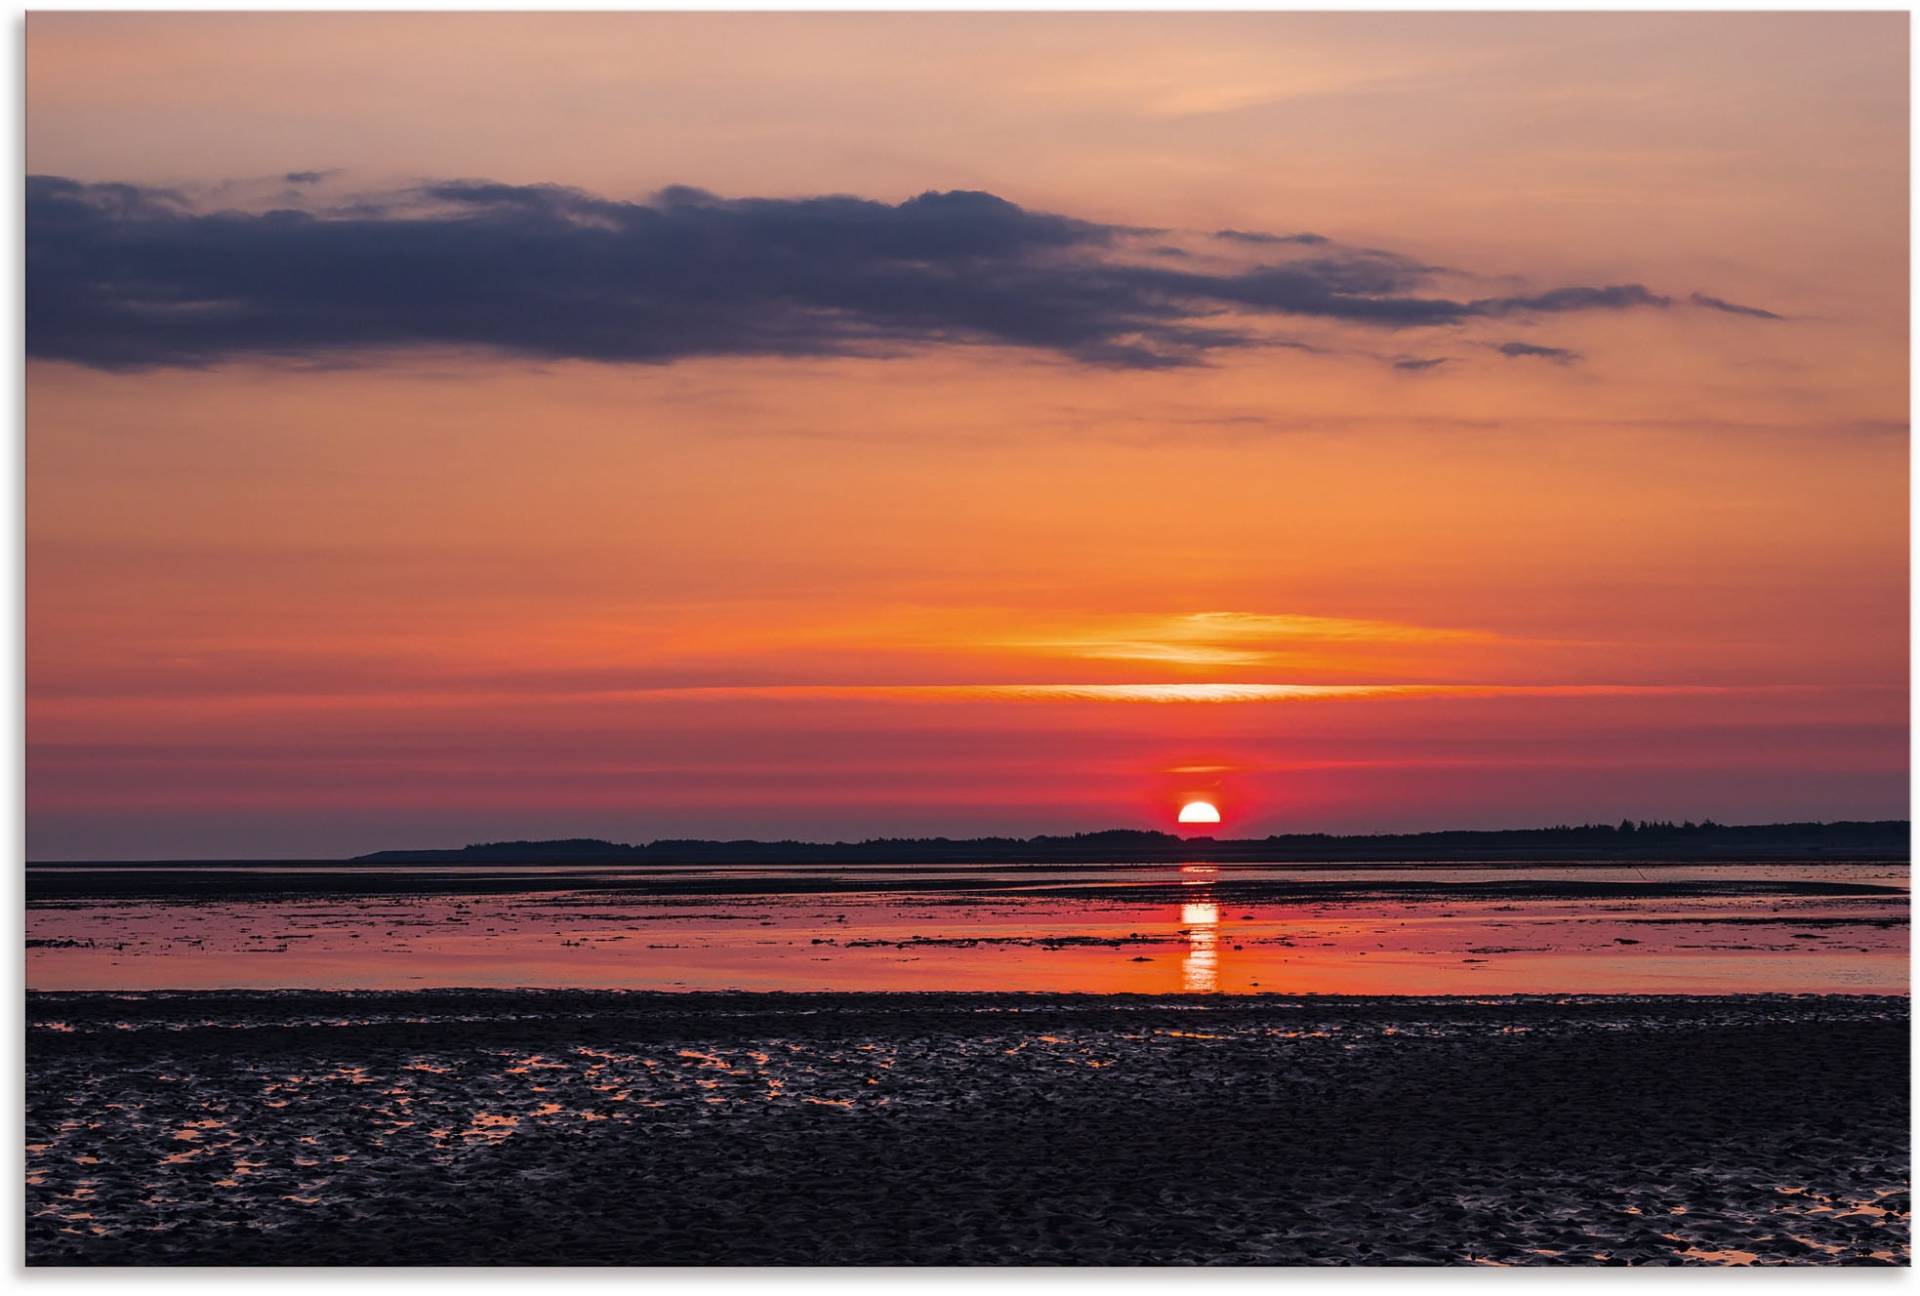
(1139, 929)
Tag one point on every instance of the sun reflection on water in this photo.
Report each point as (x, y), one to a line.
(1200, 969)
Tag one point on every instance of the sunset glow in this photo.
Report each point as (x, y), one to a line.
(1490, 466)
(979, 638)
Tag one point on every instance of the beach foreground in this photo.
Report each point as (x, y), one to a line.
(579, 1127)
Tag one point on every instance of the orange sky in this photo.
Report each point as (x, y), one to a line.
(397, 595)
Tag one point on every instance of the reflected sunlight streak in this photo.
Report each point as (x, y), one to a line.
(1200, 969)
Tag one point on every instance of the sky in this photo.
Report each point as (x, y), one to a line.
(449, 428)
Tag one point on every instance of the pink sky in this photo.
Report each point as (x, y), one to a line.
(297, 600)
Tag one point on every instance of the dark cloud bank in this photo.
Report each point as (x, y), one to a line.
(125, 277)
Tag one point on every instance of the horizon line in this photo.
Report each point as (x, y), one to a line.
(1170, 837)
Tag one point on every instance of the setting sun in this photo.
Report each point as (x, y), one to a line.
(699, 622)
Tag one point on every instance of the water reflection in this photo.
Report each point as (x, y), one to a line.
(1085, 930)
(1200, 969)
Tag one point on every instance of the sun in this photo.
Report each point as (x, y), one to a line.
(1199, 812)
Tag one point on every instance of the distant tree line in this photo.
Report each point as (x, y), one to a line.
(1630, 838)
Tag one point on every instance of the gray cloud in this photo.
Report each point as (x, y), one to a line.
(1527, 350)
(1613, 297)
(1255, 236)
(125, 277)
(1732, 308)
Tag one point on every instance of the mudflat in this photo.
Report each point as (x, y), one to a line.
(594, 1127)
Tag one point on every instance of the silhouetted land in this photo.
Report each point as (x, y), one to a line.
(1642, 841)
(1884, 839)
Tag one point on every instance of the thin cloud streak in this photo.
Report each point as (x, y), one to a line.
(1732, 308)
(1236, 638)
(1232, 692)
(1110, 693)
(590, 687)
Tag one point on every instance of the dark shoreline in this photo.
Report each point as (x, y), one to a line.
(589, 1127)
(1846, 841)
(154, 884)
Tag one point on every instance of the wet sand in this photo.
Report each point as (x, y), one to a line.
(583, 1127)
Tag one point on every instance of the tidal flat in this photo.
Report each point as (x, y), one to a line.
(605, 1127)
(1410, 928)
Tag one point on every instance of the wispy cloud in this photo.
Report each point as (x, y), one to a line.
(1732, 308)
(1220, 692)
(1229, 638)
(1531, 351)
(1269, 240)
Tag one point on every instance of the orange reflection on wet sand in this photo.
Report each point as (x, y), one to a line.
(1011, 933)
